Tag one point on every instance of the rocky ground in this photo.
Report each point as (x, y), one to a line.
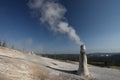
(15, 65)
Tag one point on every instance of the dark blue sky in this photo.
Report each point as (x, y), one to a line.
(97, 22)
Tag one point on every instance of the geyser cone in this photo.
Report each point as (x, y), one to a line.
(83, 68)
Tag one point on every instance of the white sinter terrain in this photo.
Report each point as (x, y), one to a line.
(15, 65)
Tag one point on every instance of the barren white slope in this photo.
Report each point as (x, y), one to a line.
(15, 65)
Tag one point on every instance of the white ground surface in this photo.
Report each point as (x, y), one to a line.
(15, 65)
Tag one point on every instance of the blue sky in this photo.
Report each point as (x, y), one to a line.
(97, 23)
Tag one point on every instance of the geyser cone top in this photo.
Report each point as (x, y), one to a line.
(82, 47)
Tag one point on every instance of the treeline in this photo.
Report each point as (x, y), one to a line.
(3, 44)
(112, 60)
(7, 44)
(72, 57)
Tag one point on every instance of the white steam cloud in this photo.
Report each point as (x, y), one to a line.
(52, 13)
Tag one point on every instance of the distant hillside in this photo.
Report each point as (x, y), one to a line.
(100, 59)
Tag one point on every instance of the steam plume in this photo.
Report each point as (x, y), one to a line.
(52, 13)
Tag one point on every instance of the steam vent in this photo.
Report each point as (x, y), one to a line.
(83, 68)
